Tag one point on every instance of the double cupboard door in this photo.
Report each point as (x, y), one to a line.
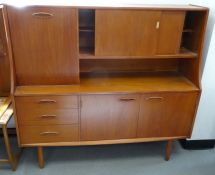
(108, 117)
(137, 32)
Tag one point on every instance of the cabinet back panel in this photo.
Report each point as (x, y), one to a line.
(128, 65)
(45, 45)
(195, 21)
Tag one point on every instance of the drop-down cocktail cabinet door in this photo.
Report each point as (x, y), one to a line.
(45, 44)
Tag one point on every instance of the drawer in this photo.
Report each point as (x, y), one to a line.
(46, 116)
(44, 102)
(49, 133)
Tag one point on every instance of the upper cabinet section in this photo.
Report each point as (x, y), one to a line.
(45, 48)
(141, 33)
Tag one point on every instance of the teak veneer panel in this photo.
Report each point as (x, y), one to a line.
(166, 114)
(46, 116)
(44, 102)
(49, 133)
(103, 142)
(108, 84)
(127, 32)
(170, 32)
(105, 117)
(45, 45)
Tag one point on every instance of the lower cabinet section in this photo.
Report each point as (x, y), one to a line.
(166, 114)
(106, 117)
(47, 134)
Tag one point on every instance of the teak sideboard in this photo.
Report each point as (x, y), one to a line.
(87, 75)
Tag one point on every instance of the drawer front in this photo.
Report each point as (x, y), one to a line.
(49, 133)
(44, 102)
(47, 116)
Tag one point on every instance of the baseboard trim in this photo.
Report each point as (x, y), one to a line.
(197, 144)
(11, 131)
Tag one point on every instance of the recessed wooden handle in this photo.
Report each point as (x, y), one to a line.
(47, 101)
(154, 98)
(157, 24)
(42, 15)
(127, 99)
(48, 116)
(49, 133)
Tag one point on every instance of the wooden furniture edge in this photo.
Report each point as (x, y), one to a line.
(9, 49)
(202, 47)
(104, 93)
(16, 121)
(104, 142)
(188, 7)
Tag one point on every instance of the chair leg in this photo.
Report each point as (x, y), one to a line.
(169, 149)
(11, 158)
(40, 157)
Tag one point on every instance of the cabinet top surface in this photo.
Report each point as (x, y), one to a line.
(107, 85)
(103, 4)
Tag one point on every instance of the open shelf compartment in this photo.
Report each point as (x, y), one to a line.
(86, 31)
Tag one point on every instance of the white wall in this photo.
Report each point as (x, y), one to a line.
(205, 121)
(204, 127)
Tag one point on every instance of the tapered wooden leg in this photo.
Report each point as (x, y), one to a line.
(40, 157)
(11, 158)
(168, 149)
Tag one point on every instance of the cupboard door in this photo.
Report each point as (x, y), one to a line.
(126, 32)
(106, 117)
(170, 32)
(166, 115)
(44, 43)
